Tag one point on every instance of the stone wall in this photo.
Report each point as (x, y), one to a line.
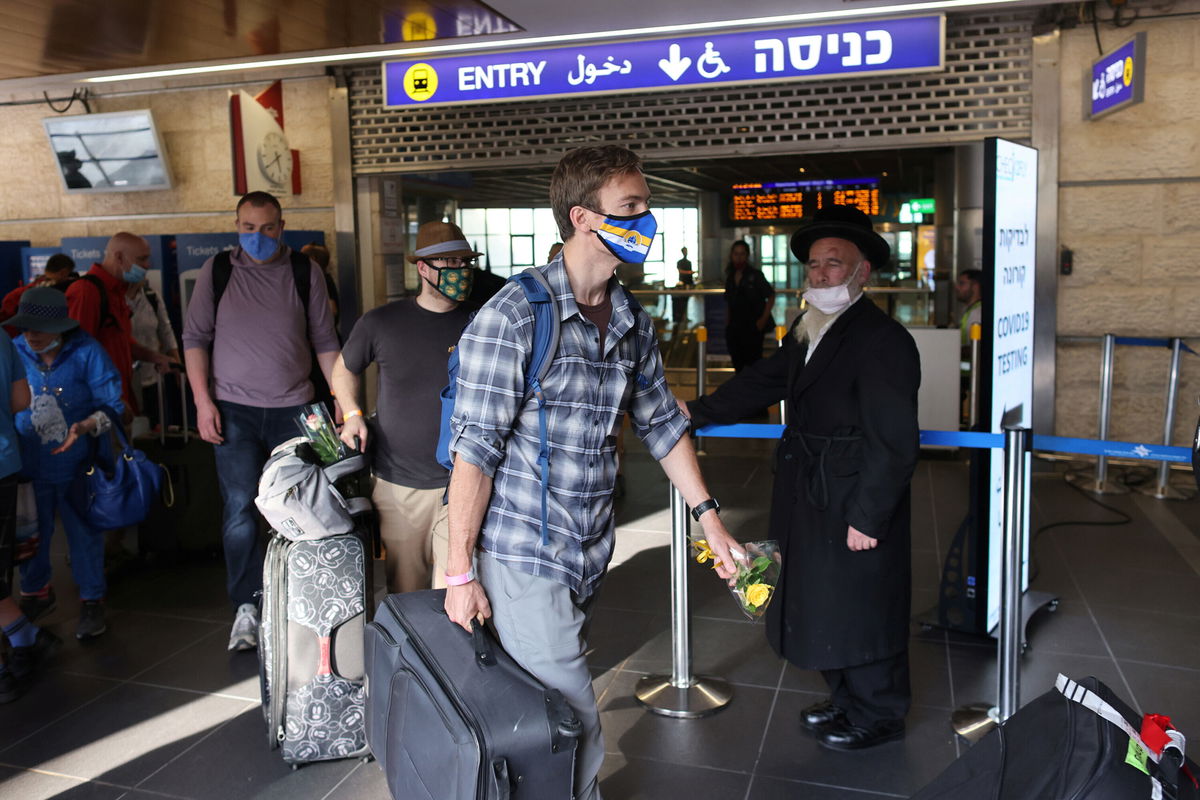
(194, 126)
(1129, 209)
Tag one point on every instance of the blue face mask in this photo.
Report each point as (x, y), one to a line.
(135, 274)
(628, 238)
(258, 245)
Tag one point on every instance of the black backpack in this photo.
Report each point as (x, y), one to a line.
(106, 316)
(301, 274)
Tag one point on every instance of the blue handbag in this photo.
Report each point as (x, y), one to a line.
(113, 493)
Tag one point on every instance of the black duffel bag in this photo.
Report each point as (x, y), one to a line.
(1078, 741)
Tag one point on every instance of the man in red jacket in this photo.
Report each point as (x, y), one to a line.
(106, 317)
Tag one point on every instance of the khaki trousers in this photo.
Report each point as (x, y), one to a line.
(412, 524)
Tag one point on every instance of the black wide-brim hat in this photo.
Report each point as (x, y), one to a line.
(843, 222)
(42, 308)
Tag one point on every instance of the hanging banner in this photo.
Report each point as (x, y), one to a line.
(844, 49)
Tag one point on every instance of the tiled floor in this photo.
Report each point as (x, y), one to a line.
(157, 708)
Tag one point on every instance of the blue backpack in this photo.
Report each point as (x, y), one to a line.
(546, 333)
(545, 344)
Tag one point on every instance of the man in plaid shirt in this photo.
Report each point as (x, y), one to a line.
(537, 594)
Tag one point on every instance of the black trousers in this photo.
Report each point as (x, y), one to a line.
(745, 345)
(872, 693)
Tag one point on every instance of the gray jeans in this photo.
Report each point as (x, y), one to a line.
(543, 628)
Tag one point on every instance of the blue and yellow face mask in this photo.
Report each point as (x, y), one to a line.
(628, 238)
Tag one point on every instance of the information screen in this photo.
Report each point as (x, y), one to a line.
(766, 203)
(1010, 242)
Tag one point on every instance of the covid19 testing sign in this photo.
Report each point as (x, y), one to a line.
(844, 49)
(1010, 244)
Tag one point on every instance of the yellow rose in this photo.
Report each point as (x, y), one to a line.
(757, 594)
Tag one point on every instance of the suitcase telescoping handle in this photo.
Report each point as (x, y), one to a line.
(177, 370)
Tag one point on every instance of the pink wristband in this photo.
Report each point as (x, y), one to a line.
(459, 580)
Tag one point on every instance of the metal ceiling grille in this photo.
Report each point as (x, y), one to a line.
(985, 90)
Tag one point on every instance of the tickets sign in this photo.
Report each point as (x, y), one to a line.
(845, 49)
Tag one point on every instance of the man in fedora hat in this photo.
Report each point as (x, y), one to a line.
(410, 340)
(256, 317)
(849, 374)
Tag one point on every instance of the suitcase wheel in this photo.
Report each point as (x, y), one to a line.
(295, 767)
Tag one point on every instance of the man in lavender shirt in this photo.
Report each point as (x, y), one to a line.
(248, 361)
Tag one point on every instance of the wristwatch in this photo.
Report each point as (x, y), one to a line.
(710, 503)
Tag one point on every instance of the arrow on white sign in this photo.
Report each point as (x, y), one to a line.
(675, 65)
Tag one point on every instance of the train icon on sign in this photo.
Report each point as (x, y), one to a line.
(420, 82)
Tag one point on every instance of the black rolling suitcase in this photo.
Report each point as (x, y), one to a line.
(451, 716)
(191, 522)
(1078, 741)
(317, 598)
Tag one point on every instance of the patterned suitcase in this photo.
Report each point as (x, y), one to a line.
(317, 598)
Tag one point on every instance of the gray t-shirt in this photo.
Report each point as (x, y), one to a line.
(411, 345)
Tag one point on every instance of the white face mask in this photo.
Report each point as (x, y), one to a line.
(57, 341)
(832, 300)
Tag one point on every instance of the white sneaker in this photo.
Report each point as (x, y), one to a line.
(244, 635)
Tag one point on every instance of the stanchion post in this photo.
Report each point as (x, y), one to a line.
(1162, 488)
(976, 334)
(1099, 483)
(701, 373)
(681, 694)
(780, 333)
(1106, 380)
(1016, 452)
(973, 721)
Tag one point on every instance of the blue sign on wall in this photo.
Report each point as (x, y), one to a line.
(1118, 78)
(84, 250)
(843, 49)
(33, 261)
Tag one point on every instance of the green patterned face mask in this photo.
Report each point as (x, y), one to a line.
(454, 282)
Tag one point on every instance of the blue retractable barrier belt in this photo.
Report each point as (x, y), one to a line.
(974, 439)
(1094, 447)
(1137, 341)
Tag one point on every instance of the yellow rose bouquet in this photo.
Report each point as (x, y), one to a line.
(757, 573)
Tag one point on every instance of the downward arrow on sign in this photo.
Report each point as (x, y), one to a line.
(674, 66)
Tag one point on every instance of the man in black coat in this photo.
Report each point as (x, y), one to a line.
(841, 502)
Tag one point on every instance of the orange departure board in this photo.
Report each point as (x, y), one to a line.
(789, 202)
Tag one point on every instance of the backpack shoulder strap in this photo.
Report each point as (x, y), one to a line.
(302, 277)
(546, 330)
(106, 317)
(546, 325)
(221, 272)
(151, 298)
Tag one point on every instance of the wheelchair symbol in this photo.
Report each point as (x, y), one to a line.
(710, 65)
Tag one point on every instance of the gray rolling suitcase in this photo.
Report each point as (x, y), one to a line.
(316, 599)
(451, 716)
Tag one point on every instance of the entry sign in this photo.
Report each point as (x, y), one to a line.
(1010, 225)
(1118, 78)
(845, 49)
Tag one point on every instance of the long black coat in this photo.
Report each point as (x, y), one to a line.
(847, 458)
